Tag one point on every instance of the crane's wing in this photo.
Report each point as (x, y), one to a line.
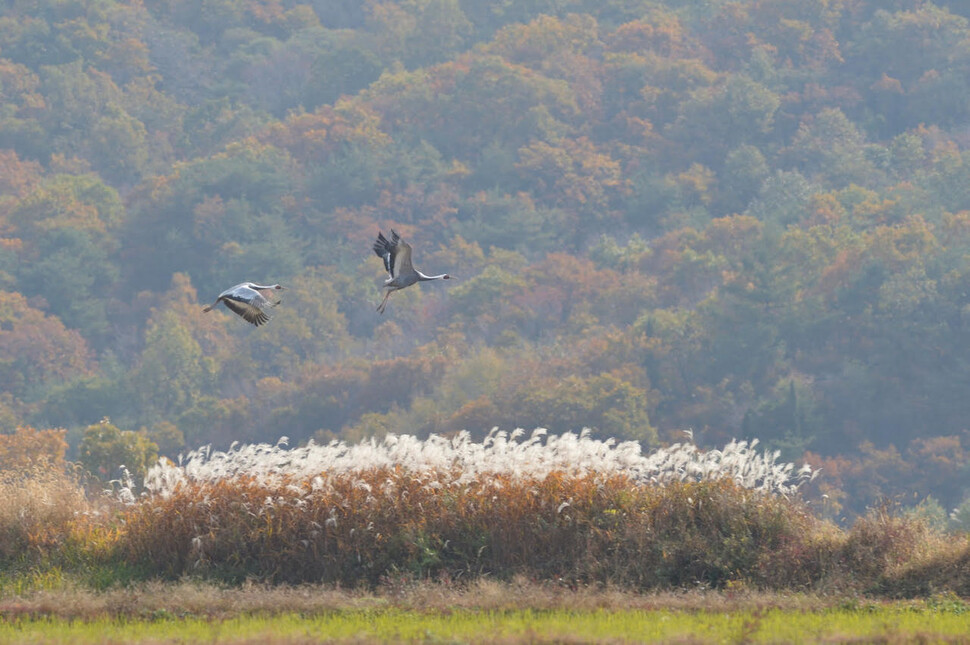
(272, 296)
(384, 251)
(402, 258)
(395, 252)
(251, 305)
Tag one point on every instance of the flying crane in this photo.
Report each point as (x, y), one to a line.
(253, 302)
(396, 254)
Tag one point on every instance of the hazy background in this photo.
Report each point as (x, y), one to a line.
(750, 219)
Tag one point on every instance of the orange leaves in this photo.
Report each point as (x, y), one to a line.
(925, 466)
(69, 201)
(661, 33)
(695, 184)
(825, 209)
(573, 173)
(36, 349)
(17, 177)
(911, 241)
(312, 138)
(27, 447)
(20, 87)
(956, 225)
(182, 299)
(538, 42)
(735, 235)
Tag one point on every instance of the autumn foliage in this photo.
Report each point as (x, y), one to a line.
(746, 219)
(28, 447)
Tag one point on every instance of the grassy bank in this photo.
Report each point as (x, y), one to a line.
(887, 626)
(486, 611)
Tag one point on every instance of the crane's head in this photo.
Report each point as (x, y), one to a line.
(446, 277)
(279, 287)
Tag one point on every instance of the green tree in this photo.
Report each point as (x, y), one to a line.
(227, 211)
(925, 51)
(783, 199)
(715, 120)
(76, 277)
(85, 399)
(167, 437)
(494, 218)
(745, 169)
(418, 32)
(610, 406)
(118, 146)
(171, 373)
(345, 69)
(307, 328)
(829, 148)
(451, 105)
(105, 448)
(20, 130)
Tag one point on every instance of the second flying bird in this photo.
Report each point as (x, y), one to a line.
(253, 302)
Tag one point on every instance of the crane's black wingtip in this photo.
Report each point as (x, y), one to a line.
(381, 245)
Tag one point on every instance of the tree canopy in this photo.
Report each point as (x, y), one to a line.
(746, 218)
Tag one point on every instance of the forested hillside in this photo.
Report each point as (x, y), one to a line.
(750, 219)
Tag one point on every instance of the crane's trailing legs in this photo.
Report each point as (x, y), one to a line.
(387, 294)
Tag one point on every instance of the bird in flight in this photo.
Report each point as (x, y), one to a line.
(396, 254)
(253, 302)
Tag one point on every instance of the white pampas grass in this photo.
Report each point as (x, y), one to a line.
(441, 462)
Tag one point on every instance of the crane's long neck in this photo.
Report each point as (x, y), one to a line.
(423, 277)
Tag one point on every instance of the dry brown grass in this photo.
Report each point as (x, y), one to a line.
(365, 527)
(39, 507)
(940, 565)
(193, 598)
(500, 542)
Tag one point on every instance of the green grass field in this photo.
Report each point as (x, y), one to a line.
(898, 622)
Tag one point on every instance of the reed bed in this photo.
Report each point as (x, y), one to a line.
(566, 511)
(567, 508)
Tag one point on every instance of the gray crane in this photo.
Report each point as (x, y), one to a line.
(253, 302)
(396, 254)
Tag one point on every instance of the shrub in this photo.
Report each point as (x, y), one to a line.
(105, 449)
(879, 544)
(943, 569)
